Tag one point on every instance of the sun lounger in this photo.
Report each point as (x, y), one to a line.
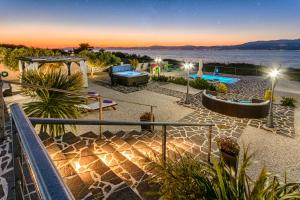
(6, 90)
(95, 106)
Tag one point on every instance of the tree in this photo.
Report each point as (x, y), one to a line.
(52, 104)
(3, 52)
(99, 60)
(82, 47)
(134, 62)
(11, 56)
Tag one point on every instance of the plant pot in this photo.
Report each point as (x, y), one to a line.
(146, 127)
(230, 160)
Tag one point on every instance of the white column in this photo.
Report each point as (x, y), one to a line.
(200, 73)
(20, 69)
(83, 69)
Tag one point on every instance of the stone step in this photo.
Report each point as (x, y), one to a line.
(66, 170)
(141, 142)
(157, 138)
(134, 155)
(180, 145)
(132, 174)
(100, 180)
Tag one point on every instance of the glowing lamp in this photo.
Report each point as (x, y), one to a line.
(77, 166)
(274, 73)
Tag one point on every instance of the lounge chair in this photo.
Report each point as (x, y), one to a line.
(6, 89)
(95, 106)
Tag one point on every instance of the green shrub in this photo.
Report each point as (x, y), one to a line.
(53, 104)
(200, 84)
(193, 179)
(160, 78)
(134, 62)
(178, 80)
(268, 95)
(222, 88)
(288, 101)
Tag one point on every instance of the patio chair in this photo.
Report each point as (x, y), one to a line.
(106, 103)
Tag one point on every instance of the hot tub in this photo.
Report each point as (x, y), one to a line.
(124, 75)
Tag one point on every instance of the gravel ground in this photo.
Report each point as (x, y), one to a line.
(278, 153)
(180, 88)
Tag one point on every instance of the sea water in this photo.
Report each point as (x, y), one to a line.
(272, 58)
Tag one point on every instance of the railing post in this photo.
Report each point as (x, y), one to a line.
(2, 116)
(16, 159)
(152, 117)
(209, 143)
(164, 144)
(100, 115)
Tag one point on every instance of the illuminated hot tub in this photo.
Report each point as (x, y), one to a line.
(124, 75)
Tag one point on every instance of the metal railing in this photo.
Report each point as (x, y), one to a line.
(127, 123)
(29, 148)
(49, 183)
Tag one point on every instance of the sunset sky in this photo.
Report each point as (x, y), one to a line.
(114, 23)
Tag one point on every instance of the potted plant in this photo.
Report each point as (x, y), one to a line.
(147, 117)
(229, 150)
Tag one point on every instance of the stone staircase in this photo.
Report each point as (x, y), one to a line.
(115, 167)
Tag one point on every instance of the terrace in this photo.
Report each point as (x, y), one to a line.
(117, 165)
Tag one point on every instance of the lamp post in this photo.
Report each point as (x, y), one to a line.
(188, 66)
(273, 74)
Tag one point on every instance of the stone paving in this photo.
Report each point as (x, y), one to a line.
(246, 88)
(6, 170)
(120, 88)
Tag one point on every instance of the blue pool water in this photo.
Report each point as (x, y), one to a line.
(129, 73)
(223, 79)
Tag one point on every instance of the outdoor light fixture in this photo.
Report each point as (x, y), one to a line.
(158, 60)
(187, 66)
(77, 166)
(273, 75)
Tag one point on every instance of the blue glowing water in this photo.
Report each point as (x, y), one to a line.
(129, 73)
(222, 79)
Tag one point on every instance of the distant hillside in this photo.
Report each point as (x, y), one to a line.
(257, 45)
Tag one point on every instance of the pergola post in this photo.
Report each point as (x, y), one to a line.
(83, 69)
(69, 67)
(21, 68)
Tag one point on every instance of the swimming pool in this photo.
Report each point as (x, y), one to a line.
(223, 79)
(129, 73)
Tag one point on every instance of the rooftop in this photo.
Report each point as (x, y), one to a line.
(47, 59)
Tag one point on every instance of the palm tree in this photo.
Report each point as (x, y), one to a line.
(52, 104)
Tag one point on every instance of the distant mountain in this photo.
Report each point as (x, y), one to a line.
(256, 45)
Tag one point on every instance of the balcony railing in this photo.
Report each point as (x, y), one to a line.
(29, 149)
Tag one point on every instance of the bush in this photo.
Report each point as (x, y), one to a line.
(160, 78)
(190, 178)
(268, 95)
(178, 80)
(53, 104)
(134, 62)
(200, 84)
(288, 101)
(222, 88)
(229, 145)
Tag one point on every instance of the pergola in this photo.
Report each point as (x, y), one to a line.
(37, 62)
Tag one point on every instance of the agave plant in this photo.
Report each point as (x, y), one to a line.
(190, 178)
(52, 104)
